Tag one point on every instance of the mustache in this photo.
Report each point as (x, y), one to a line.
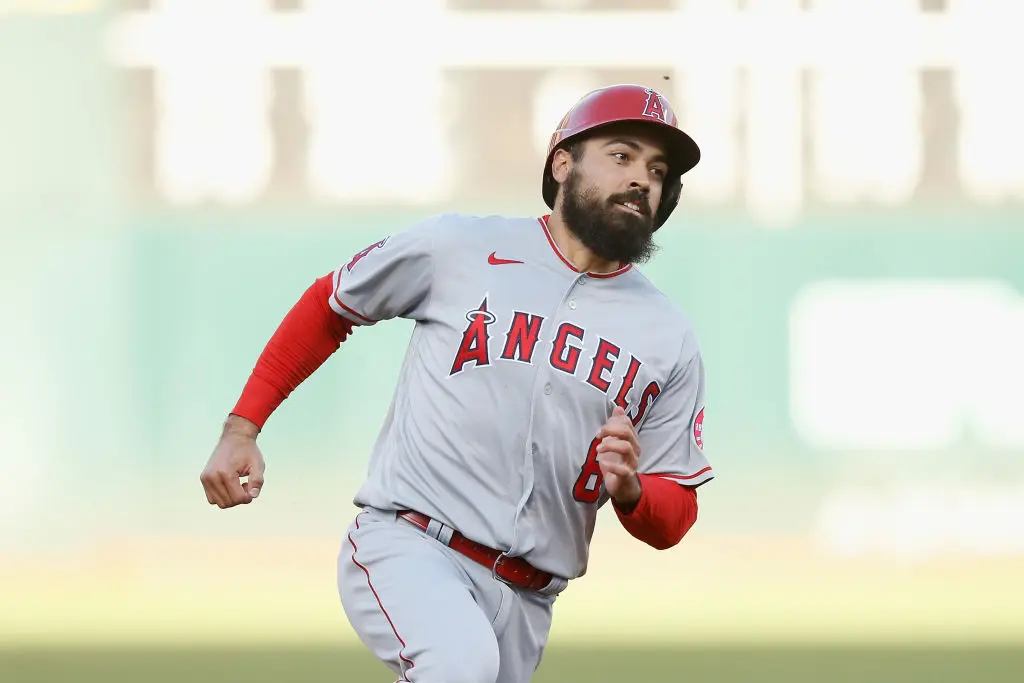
(637, 197)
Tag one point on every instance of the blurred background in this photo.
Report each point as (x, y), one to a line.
(174, 173)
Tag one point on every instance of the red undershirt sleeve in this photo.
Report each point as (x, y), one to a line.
(664, 513)
(307, 336)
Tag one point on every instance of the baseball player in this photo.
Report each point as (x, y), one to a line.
(545, 377)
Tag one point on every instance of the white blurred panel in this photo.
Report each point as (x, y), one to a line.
(708, 94)
(988, 89)
(375, 101)
(906, 364)
(213, 94)
(865, 114)
(774, 150)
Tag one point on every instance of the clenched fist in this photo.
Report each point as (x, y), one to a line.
(618, 455)
(236, 456)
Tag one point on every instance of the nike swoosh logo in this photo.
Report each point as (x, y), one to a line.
(495, 261)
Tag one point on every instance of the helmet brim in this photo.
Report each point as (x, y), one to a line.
(683, 154)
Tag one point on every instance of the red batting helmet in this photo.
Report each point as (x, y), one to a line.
(617, 103)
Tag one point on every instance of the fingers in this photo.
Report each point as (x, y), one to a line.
(255, 483)
(251, 490)
(619, 426)
(236, 494)
(613, 449)
(216, 494)
(612, 444)
(619, 420)
(621, 469)
(233, 460)
(224, 489)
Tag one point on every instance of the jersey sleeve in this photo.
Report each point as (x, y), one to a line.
(391, 278)
(671, 438)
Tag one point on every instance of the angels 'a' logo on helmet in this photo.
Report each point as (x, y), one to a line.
(654, 107)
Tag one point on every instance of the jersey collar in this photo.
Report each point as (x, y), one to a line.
(543, 220)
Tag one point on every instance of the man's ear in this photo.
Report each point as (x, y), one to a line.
(561, 165)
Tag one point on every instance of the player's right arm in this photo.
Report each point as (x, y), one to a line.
(668, 449)
(390, 278)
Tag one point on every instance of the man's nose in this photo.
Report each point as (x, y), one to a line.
(641, 181)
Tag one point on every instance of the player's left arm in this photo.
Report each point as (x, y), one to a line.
(390, 278)
(670, 459)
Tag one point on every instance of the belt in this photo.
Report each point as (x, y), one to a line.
(512, 570)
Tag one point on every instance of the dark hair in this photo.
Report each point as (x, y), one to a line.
(575, 148)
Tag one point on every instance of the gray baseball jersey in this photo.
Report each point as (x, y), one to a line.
(515, 362)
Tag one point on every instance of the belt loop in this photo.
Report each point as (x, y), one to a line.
(442, 532)
(554, 587)
(445, 534)
(434, 528)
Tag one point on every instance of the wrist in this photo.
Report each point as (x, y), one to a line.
(237, 426)
(627, 500)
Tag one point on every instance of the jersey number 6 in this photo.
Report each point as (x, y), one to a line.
(588, 485)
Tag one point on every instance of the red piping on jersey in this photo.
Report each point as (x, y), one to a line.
(361, 318)
(337, 299)
(543, 220)
(696, 474)
(387, 616)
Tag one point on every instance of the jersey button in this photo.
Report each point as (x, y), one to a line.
(572, 305)
(547, 389)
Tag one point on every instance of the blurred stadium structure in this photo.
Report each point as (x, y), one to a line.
(856, 101)
(174, 173)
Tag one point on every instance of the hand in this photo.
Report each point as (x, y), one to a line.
(235, 456)
(617, 456)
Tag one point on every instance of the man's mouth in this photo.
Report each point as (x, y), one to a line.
(632, 206)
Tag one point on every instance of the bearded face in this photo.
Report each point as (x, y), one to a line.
(617, 227)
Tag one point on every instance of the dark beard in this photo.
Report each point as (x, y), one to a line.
(608, 231)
